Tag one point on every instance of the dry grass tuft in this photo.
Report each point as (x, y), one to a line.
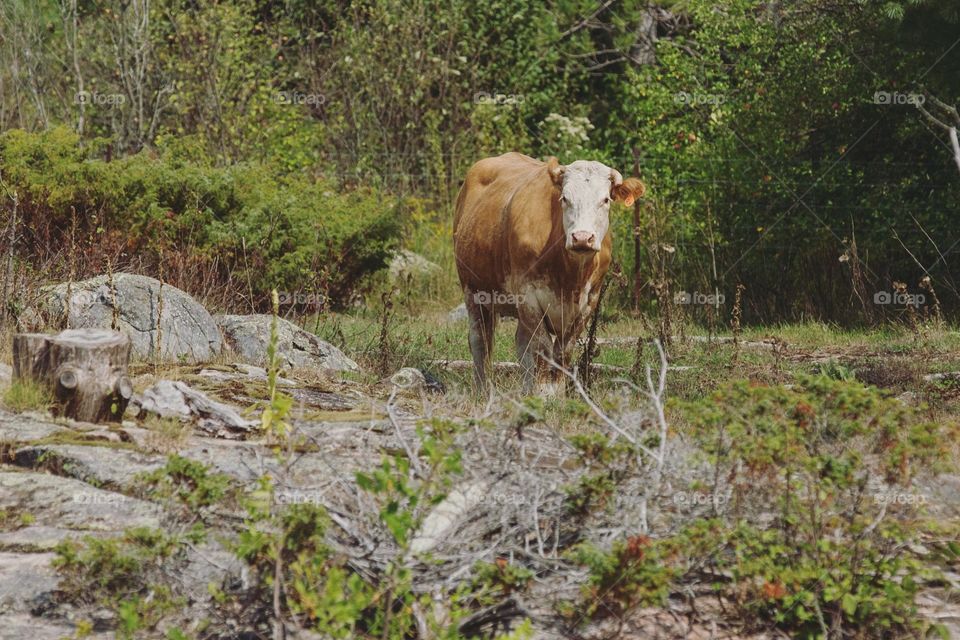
(167, 435)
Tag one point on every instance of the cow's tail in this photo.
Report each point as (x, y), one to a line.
(458, 210)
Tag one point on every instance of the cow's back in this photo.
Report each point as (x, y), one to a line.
(483, 226)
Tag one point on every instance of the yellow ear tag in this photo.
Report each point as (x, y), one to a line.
(628, 200)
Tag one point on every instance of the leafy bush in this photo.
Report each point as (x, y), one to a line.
(608, 464)
(320, 590)
(241, 227)
(633, 573)
(190, 482)
(818, 509)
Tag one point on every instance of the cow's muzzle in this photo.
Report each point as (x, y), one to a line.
(582, 242)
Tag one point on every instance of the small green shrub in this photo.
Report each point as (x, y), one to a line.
(493, 581)
(607, 463)
(189, 482)
(319, 589)
(142, 613)
(633, 573)
(95, 570)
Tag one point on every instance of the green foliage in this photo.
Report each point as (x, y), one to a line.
(319, 588)
(756, 128)
(13, 519)
(403, 493)
(837, 371)
(274, 413)
(189, 482)
(608, 464)
(107, 570)
(816, 456)
(493, 581)
(141, 614)
(268, 230)
(633, 573)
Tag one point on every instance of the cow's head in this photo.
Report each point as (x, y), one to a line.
(585, 189)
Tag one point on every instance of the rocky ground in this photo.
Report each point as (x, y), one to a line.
(62, 480)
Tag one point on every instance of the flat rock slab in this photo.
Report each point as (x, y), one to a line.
(54, 501)
(21, 427)
(245, 461)
(324, 400)
(107, 467)
(37, 539)
(23, 625)
(26, 579)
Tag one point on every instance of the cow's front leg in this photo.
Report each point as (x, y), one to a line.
(482, 325)
(533, 349)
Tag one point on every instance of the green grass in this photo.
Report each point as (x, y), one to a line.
(27, 395)
(890, 357)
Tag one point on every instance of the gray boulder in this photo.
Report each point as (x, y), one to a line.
(407, 264)
(458, 313)
(187, 331)
(249, 337)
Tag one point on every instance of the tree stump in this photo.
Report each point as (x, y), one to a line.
(85, 369)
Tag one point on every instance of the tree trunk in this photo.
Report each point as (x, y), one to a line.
(85, 370)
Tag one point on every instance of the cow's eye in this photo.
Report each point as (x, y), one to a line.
(563, 198)
(606, 200)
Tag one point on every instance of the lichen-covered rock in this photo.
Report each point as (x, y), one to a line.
(458, 313)
(407, 264)
(133, 303)
(27, 427)
(249, 337)
(25, 578)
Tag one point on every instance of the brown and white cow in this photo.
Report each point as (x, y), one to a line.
(532, 240)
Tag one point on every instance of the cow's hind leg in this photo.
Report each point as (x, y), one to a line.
(482, 325)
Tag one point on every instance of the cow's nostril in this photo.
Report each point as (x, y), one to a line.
(583, 238)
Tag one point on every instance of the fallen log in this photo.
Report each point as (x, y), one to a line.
(467, 365)
(84, 369)
(632, 340)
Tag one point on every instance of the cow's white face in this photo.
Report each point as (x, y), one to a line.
(585, 195)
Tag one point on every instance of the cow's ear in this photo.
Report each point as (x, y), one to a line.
(555, 169)
(627, 191)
